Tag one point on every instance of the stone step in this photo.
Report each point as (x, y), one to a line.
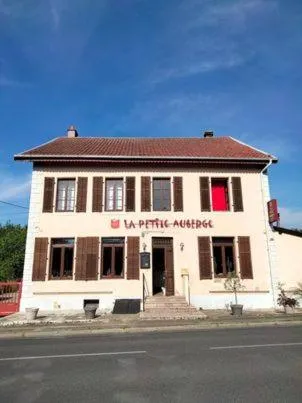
(192, 316)
(164, 305)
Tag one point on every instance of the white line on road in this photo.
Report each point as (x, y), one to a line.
(255, 346)
(39, 357)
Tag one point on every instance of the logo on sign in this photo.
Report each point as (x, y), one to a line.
(115, 224)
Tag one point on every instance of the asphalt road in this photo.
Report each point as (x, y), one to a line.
(234, 365)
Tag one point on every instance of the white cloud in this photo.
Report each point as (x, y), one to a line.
(13, 188)
(9, 82)
(291, 218)
(209, 37)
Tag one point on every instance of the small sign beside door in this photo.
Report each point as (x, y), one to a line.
(144, 260)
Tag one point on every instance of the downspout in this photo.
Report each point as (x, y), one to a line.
(267, 230)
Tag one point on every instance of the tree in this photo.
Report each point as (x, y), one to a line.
(12, 251)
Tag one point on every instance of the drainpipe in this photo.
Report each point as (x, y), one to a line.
(267, 230)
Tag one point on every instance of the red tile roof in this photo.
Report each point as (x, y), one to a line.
(144, 148)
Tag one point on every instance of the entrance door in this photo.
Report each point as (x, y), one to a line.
(162, 263)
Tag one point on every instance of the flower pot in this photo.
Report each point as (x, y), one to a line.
(90, 311)
(237, 309)
(31, 313)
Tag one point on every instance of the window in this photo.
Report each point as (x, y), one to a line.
(161, 195)
(65, 195)
(61, 258)
(223, 254)
(114, 194)
(220, 195)
(112, 257)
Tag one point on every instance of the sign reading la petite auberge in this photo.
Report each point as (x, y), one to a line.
(160, 224)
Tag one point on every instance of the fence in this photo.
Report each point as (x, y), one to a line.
(10, 295)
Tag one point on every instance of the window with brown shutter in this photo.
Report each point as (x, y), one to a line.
(113, 257)
(223, 256)
(87, 260)
(130, 193)
(178, 193)
(145, 193)
(61, 258)
(65, 195)
(204, 194)
(49, 184)
(237, 194)
(40, 259)
(82, 195)
(133, 258)
(97, 194)
(204, 252)
(245, 258)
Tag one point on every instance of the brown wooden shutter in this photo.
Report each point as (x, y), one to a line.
(133, 258)
(246, 269)
(169, 272)
(146, 193)
(82, 195)
(178, 193)
(49, 185)
(97, 194)
(204, 194)
(130, 193)
(40, 259)
(87, 260)
(237, 194)
(204, 252)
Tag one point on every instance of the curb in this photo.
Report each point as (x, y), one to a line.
(20, 334)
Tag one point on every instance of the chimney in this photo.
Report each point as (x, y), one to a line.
(207, 134)
(72, 132)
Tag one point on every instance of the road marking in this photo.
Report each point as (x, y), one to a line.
(255, 346)
(39, 357)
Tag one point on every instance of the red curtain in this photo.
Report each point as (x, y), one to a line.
(220, 196)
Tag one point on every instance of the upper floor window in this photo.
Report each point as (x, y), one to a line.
(220, 195)
(114, 194)
(161, 195)
(61, 263)
(65, 195)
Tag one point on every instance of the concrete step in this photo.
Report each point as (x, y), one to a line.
(169, 308)
(163, 305)
(174, 316)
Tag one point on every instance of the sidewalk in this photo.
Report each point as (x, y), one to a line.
(49, 324)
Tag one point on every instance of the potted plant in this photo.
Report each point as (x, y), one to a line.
(90, 310)
(31, 313)
(286, 302)
(233, 284)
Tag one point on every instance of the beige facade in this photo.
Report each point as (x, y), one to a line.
(210, 293)
(289, 263)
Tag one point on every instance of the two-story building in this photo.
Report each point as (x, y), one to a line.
(197, 205)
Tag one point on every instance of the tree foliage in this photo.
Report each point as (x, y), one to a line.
(12, 251)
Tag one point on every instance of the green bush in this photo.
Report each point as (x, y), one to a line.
(12, 251)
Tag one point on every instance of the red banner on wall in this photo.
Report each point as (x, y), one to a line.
(273, 214)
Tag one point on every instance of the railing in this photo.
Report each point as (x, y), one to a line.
(10, 295)
(145, 291)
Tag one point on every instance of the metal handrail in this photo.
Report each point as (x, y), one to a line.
(145, 290)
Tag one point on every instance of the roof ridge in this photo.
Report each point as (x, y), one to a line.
(144, 138)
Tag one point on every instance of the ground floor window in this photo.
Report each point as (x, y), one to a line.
(224, 256)
(113, 257)
(61, 258)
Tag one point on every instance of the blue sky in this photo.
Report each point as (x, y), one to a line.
(152, 68)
